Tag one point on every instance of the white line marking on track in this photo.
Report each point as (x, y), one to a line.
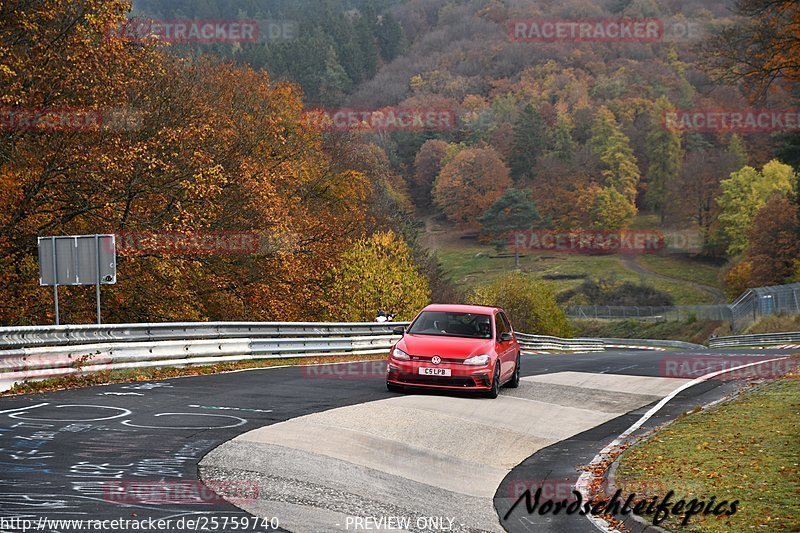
(240, 422)
(23, 408)
(125, 412)
(585, 479)
(217, 408)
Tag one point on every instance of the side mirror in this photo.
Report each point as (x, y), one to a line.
(506, 336)
(399, 330)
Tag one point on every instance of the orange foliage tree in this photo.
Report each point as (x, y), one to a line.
(470, 183)
(762, 47)
(773, 244)
(213, 147)
(427, 166)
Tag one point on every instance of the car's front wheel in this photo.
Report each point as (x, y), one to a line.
(514, 382)
(494, 392)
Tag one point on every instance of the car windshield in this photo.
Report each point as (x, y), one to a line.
(446, 324)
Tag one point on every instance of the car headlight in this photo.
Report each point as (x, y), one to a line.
(477, 360)
(401, 355)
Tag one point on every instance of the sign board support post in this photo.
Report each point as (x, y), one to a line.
(55, 279)
(97, 280)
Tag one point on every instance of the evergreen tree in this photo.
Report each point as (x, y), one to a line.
(529, 142)
(788, 151)
(391, 38)
(564, 145)
(368, 49)
(514, 211)
(621, 170)
(603, 127)
(347, 48)
(737, 151)
(665, 155)
(334, 81)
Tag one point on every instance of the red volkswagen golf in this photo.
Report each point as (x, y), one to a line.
(457, 347)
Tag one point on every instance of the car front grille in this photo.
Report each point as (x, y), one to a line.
(439, 380)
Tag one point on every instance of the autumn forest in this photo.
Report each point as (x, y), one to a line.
(192, 137)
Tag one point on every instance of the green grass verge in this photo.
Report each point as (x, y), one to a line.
(775, 324)
(746, 449)
(157, 373)
(696, 331)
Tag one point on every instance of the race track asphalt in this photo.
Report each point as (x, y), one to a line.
(320, 447)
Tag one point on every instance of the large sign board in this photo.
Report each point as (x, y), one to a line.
(75, 260)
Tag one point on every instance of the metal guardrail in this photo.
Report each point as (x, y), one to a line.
(763, 339)
(538, 342)
(39, 352)
(650, 343)
(42, 362)
(541, 342)
(18, 337)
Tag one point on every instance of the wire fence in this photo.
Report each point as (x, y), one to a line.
(749, 307)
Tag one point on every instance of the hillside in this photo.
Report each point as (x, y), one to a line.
(581, 126)
(331, 132)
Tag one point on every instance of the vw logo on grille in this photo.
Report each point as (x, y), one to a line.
(436, 360)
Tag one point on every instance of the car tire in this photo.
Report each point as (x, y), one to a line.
(391, 387)
(514, 382)
(494, 392)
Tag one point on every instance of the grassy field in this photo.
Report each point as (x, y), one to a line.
(746, 450)
(682, 293)
(469, 263)
(644, 221)
(472, 264)
(684, 268)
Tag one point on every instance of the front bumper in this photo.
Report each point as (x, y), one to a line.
(463, 377)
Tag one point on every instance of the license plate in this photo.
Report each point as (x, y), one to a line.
(434, 371)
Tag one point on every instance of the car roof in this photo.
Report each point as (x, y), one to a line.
(458, 308)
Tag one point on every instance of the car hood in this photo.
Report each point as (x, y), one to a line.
(445, 347)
